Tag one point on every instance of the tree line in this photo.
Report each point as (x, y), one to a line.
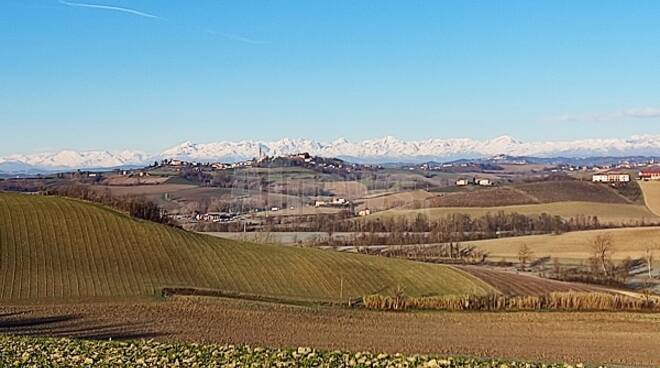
(134, 206)
(421, 229)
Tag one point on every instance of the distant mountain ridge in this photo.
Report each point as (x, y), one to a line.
(386, 149)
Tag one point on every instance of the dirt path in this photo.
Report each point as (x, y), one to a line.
(614, 338)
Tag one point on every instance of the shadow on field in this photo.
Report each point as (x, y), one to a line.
(71, 325)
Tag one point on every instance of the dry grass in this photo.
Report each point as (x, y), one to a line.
(614, 213)
(573, 246)
(57, 248)
(651, 190)
(578, 302)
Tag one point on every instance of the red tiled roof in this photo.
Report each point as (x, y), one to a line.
(651, 170)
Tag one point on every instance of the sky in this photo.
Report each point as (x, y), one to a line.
(149, 74)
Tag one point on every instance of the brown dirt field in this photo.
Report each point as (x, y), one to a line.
(125, 180)
(503, 196)
(138, 190)
(613, 338)
(346, 189)
(509, 283)
(530, 193)
(395, 200)
(569, 190)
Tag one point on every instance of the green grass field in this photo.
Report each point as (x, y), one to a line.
(54, 247)
(574, 247)
(615, 213)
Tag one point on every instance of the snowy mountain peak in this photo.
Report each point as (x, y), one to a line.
(386, 149)
(391, 148)
(505, 140)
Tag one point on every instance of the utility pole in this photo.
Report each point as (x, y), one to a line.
(341, 288)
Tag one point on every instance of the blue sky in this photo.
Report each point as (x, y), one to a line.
(112, 74)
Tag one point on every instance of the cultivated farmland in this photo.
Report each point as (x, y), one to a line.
(57, 248)
(530, 193)
(619, 338)
(509, 283)
(574, 246)
(614, 213)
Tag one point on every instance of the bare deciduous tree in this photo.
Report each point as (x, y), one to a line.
(648, 257)
(525, 253)
(602, 248)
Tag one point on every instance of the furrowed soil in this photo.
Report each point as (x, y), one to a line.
(521, 285)
(54, 247)
(530, 193)
(595, 338)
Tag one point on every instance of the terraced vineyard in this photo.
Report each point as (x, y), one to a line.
(57, 248)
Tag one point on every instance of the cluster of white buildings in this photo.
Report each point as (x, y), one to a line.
(610, 178)
(335, 202)
(475, 181)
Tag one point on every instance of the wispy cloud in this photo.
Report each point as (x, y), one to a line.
(111, 8)
(636, 113)
(235, 37)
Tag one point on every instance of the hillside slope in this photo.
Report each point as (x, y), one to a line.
(651, 190)
(57, 247)
(550, 191)
(628, 242)
(607, 213)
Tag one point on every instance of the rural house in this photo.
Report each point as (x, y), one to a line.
(485, 182)
(651, 173)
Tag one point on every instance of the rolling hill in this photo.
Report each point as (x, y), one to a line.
(574, 246)
(614, 213)
(550, 191)
(53, 247)
(651, 190)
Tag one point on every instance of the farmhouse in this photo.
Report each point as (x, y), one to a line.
(474, 181)
(484, 182)
(336, 202)
(174, 162)
(365, 212)
(214, 216)
(610, 178)
(651, 173)
(462, 182)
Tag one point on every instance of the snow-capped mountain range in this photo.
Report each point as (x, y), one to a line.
(387, 149)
